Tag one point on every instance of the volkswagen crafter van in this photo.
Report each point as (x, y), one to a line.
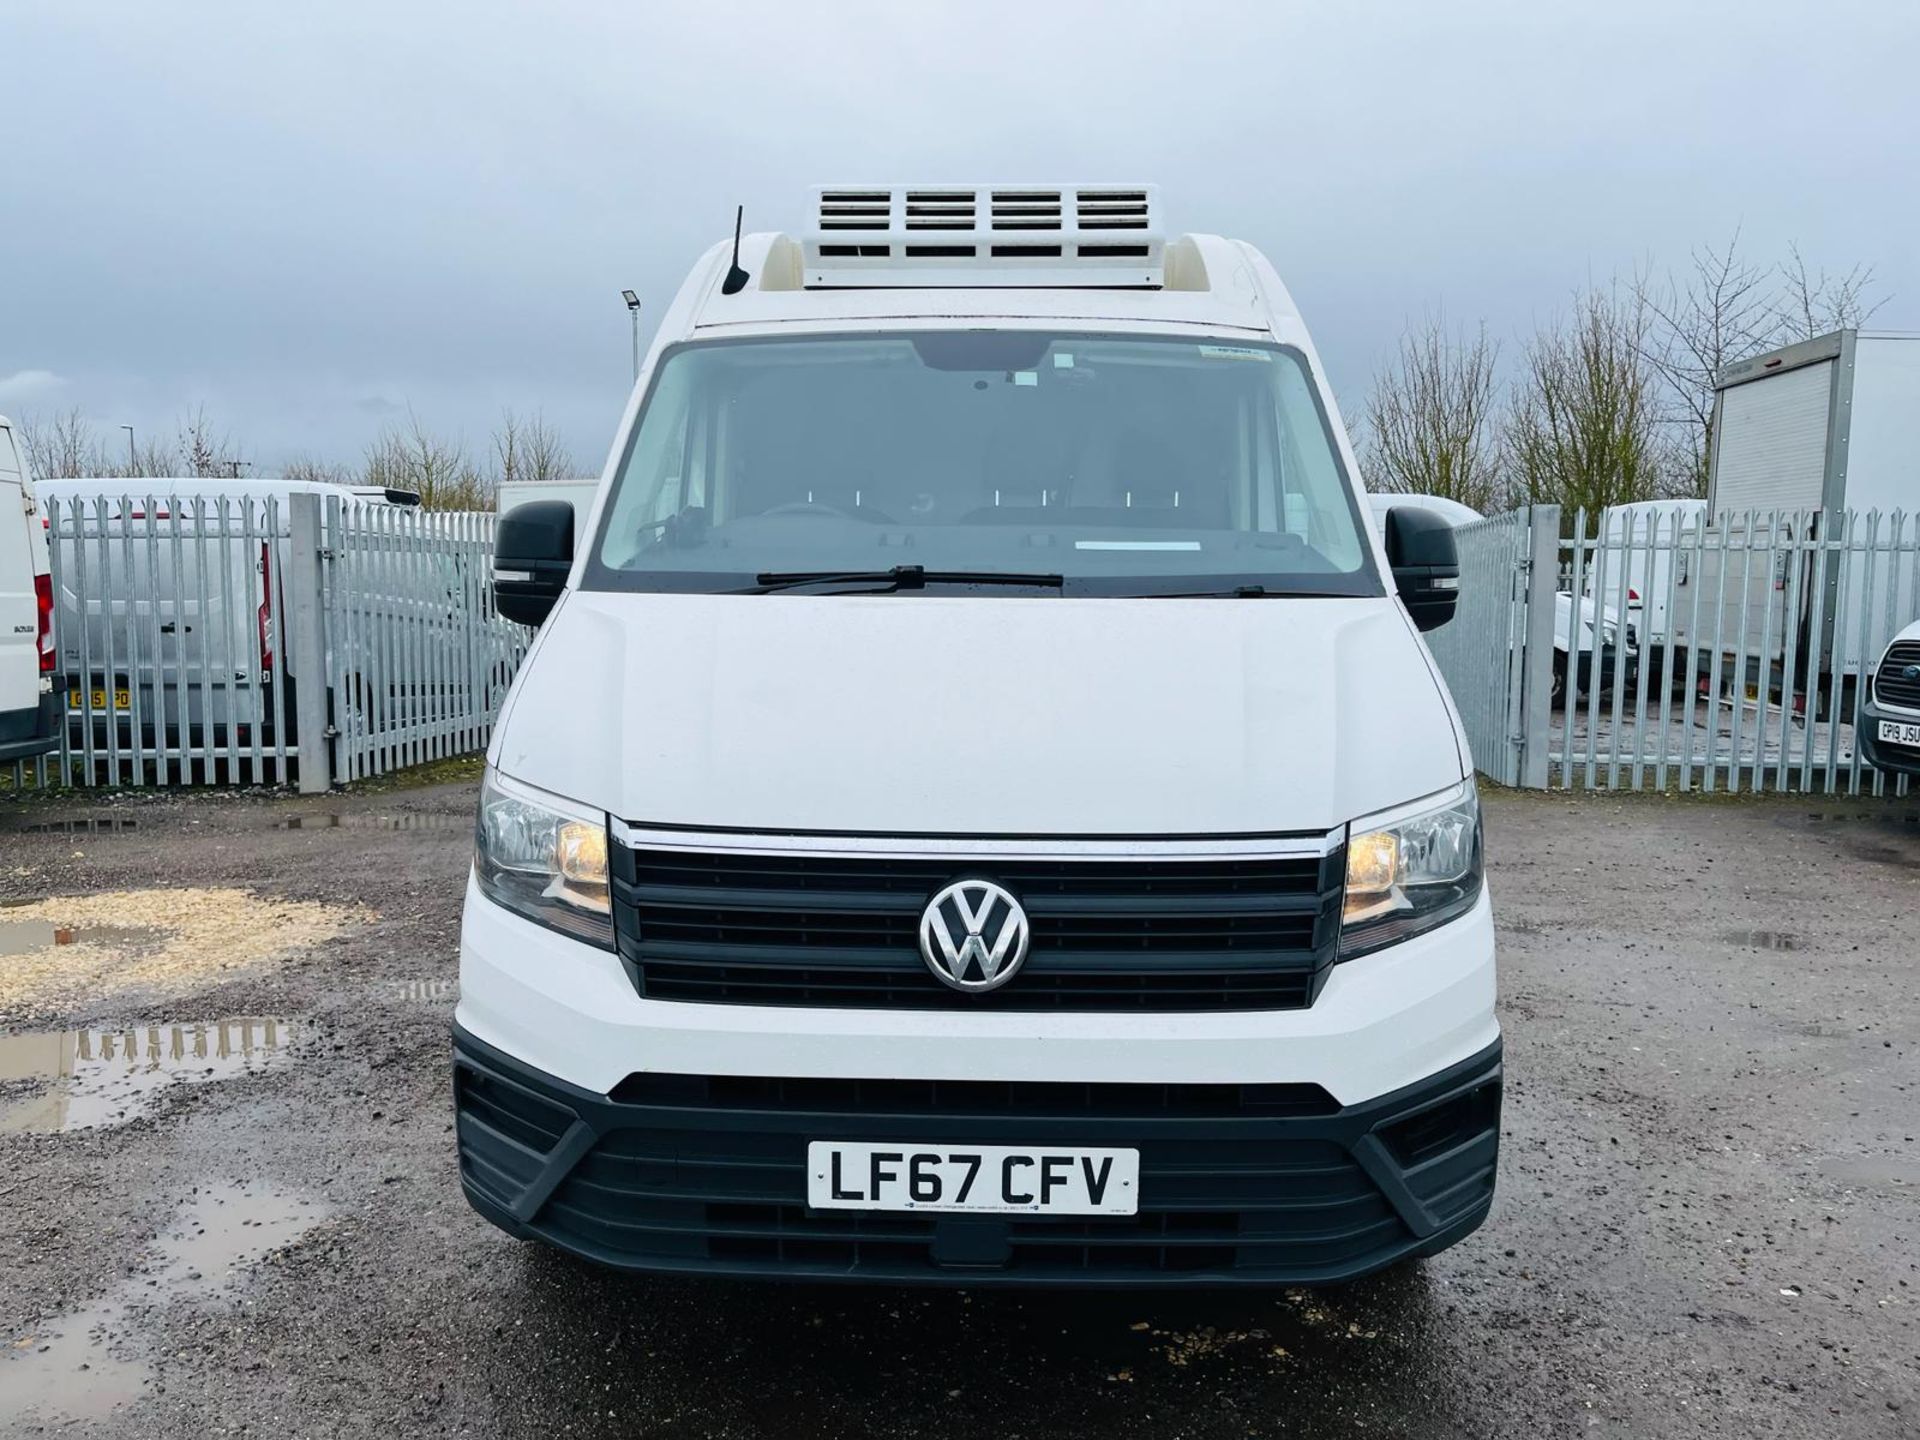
(979, 808)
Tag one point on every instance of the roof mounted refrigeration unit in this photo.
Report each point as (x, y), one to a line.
(1104, 237)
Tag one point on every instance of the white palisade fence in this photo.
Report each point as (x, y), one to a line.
(1716, 653)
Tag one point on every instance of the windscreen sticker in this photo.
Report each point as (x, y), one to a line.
(1136, 544)
(1296, 519)
(1236, 352)
(1062, 361)
(1026, 377)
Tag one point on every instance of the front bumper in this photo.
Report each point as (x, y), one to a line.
(1893, 759)
(1240, 1184)
(1379, 1024)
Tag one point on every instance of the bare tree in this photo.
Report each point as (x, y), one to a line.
(508, 448)
(59, 448)
(1722, 309)
(539, 452)
(1583, 429)
(306, 469)
(436, 469)
(1430, 421)
(1814, 303)
(206, 454)
(67, 447)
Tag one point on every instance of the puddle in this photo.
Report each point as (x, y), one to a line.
(1909, 819)
(78, 1367)
(104, 1077)
(1762, 939)
(332, 820)
(22, 937)
(104, 825)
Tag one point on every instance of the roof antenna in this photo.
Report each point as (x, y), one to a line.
(736, 280)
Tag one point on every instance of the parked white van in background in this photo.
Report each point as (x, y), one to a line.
(182, 644)
(1643, 539)
(29, 706)
(979, 809)
(1889, 729)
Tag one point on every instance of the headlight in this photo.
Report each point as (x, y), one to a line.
(1410, 869)
(544, 858)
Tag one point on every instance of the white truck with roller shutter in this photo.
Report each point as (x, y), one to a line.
(1802, 435)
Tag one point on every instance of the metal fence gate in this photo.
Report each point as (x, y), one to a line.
(240, 639)
(418, 660)
(1493, 652)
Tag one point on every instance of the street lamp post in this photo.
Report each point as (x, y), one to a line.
(633, 309)
(132, 464)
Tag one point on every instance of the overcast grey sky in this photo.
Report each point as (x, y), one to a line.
(309, 218)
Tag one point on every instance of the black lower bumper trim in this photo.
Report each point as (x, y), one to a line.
(1230, 1193)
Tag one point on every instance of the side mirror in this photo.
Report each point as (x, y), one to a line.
(1426, 564)
(532, 553)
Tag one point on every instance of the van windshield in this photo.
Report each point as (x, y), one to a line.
(1090, 464)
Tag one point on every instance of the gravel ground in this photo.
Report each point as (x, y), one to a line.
(1708, 1220)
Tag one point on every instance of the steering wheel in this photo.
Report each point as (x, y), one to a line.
(865, 514)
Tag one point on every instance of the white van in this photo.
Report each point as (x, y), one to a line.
(979, 809)
(170, 616)
(1889, 730)
(1642, 539)
(29, 706)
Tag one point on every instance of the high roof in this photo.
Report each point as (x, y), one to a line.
(1207, 281)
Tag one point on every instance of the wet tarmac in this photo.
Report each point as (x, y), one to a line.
(413, 820)
(1708, 1222)
(93, 825)
(88, 1364)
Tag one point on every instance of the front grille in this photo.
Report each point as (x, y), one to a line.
(1257, 1182)
(794, 928)
(1890, 687)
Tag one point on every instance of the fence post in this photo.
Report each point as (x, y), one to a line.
(309, 644)
(1536, 653)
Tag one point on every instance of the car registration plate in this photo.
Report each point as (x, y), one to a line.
(76, 699)
(976, 1179)
(1900, 732)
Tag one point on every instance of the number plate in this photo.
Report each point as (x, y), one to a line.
(99, 698)
(976, 1179)
(1897, 732)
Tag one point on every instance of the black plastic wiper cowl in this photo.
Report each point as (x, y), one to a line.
(899, 577)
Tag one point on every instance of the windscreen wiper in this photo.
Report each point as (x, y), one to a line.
(900, 577)
(1247, 592)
